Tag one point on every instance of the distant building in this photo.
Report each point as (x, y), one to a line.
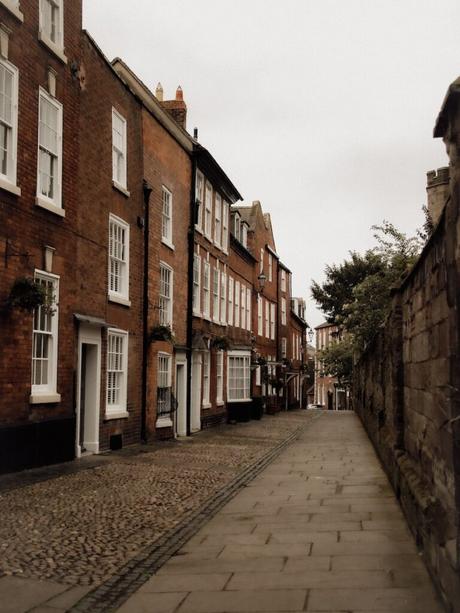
(328, 394)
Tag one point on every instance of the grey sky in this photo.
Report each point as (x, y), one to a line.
(321, 109)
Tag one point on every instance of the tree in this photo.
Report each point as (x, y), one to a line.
(337, 360)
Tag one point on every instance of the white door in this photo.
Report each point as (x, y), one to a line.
(181, 398)
(88, 390)
(195, 421)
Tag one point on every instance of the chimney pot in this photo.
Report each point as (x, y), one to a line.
(159, 92)
(195, 133)
(179, 93)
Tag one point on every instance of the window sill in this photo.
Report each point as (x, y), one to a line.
(119, 300)
(240, 400)
(119, 415)
(220, 403)
(56, 49)
(198, 229)
(164, 422)
(49, 206)
(9, 186)
(206, 405)
(121, 189)
(168, 244)
(14, 10)
(44, 398)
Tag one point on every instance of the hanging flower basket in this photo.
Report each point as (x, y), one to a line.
(161, 333)
(221, 343)
(28, 294)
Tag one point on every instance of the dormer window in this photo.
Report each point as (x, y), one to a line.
(244, 234)
(237, 226)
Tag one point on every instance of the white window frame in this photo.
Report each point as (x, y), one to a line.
(8, 179)
(167, 217)
(54, 203)
(260, 318)
(199, 199)
(165, 301)
(270, 267)
(218, 220)
(261, 263)
(248, 309)
(44, 34)
(243, 306)
(119, 156)
(121, 296)
(219, 377)
(119, 409)
(216, 294)
(267, 319)
(237, 304)
(283, 280)
(208, 210)
(206, 380)
(225, 212)
(283, 311)
(164, 381)
(223, 299)
(207, 289)
(244, 235)
(237, 226)
(46, 393)
(243, 388)
(231, 291)
(272, 320)
(196, 284)
(14, 8)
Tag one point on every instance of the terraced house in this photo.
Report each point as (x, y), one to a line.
(139, 299)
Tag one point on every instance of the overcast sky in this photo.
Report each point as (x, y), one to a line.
(321, 109)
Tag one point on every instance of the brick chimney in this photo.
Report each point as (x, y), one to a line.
(176, 108)
(437, 189)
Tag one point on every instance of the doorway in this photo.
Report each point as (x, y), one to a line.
(180, 422)
(195, 422)
(88, 391)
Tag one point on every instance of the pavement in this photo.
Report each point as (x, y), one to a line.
(315, 529)
(319, 530)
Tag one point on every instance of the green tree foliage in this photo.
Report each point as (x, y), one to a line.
(337, 360)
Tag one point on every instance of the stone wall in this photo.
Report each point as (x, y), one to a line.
(406, 391)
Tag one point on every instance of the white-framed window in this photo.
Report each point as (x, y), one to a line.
(45, 337)
(225, 208)
(239, 376)
(52, 22)
(223, 298)
(231, 290)
(13, 7)
(293, 346)
(272, 320)
(261, 262)
(219, 376)
(284, 347)
(164, 386)
(208, 210)
(166, 216)
(270, 267)
(218, 220)
(260, 322)
(237, 226)
(196, 284)
(258, 376)
(248, 309)
(283, 311)
(267, 319)
(283, 280)
(166, 295)
(117, 371)
(49, 183)
(243, 306)
(8, 121)
(119, 155)
(244, 235)
(199, 199)
(118, 259)
(237, 304)
(215, 293)
(206, 377)
(206, 289)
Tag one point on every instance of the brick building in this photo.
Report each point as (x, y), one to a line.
(40, 114)
(328, 394)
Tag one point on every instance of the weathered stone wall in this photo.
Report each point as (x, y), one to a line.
(406, 393)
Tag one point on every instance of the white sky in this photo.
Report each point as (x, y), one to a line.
(321, 109)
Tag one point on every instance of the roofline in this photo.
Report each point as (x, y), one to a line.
(326, 325)
(442, 120)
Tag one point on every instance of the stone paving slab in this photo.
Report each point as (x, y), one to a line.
(318, 531)
(19, 595)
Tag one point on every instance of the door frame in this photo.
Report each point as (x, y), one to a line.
(88, 335)
(180, 416)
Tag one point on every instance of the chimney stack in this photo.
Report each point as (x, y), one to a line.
(437, 189)
(176, 108)
(159, 92)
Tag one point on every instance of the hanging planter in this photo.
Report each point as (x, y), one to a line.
(28, 294)
(161, 333)
(221, 343)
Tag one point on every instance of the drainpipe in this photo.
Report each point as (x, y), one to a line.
(147, 190)
(191, 251)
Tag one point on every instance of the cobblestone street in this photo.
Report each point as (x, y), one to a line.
(80, 526)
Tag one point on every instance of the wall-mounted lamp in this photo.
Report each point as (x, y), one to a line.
(262, 278)
(310, 334)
